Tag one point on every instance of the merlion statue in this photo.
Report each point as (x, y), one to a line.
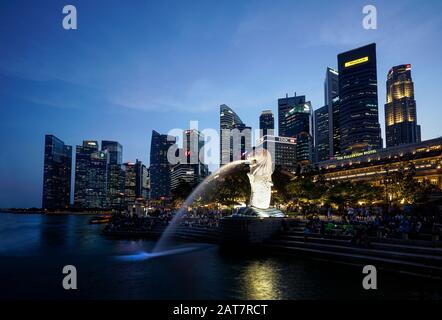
(260, 177)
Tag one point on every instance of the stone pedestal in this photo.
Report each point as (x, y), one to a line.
(243, 231)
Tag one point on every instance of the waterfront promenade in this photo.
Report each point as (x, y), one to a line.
(335, 240)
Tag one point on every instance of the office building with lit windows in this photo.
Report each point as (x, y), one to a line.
(298, 124)
(322, 134)
(145, 182)
(284, 106)
(130, 182)
(90, 176)
(331, 92)
(358, 100)
(115, 173)
(336, 130)
(266, 123)
(191, 168)
(160, 168)
(235, 136)
(282, 150)
(57, 174)
(400, 110)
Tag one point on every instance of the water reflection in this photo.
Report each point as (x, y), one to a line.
(261, 280)
(31, 244)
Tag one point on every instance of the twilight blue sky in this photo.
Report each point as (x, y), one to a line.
(134, 66)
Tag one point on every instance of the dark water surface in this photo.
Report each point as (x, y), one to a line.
(34, 248)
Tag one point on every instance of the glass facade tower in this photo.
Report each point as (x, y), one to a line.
(322, 134)
(57, 174)
(160, 168)
(90, 176)
(331, 91)
(266, 123)
(358, 93)
(284, 106)
(236, 137)
(298, 124)
(115, 173)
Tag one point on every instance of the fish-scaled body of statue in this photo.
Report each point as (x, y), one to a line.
(260, 176)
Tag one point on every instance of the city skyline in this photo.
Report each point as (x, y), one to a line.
(44, 98)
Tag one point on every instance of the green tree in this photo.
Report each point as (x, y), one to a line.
(231, 188)
(400, 185)
(281, 179)
(182, 190)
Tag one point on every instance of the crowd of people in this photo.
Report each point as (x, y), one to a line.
(203, 217)
(161, 217)
(356, 223)
(375, 221)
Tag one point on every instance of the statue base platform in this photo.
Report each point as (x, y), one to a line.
(250, 226)
(260, 213)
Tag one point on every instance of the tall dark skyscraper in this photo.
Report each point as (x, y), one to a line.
(114, 150)
(131, 185)
(139, 167)
(358, 93)
(115, 173)
(297, 123)
(335, 129)
(331, 85)
(90, 176)
(284, 106)
(266, 123)
(133, 182)
(322, 134)
(400, 109)
(236, 137)
(331, 91)
(160, 168)
(57, 174)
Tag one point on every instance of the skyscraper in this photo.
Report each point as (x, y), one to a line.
(191, 168)
(90, 176)
(130, 183)
(159, 165)
(322, 134)
(400, 109)
(284, 106)
(336, 130)
(193, 143)
(57, 174)
(134, 173)
(331, 91)
(145, 182)
(115, 173)
(266, 123)
(331, 85)
(358, 93)
(115, 151)
(236, 137)
(298, 123)
(282, 150)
